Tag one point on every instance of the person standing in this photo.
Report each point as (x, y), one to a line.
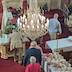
(54, 27)
(7, 15)
(32, 52)
(16, 45)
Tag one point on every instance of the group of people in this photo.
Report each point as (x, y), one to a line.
(34, 50)
(54, 29)
(33, 55)
(16, 45)
(33, 58)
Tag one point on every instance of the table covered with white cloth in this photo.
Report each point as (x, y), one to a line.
(64, 43)
(4, 40)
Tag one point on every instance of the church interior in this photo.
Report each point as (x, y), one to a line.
(45, 25)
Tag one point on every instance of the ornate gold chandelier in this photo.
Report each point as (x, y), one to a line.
(33, 24)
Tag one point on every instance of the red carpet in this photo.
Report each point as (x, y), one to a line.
(10, 66)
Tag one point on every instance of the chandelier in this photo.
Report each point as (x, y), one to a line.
(33, 24)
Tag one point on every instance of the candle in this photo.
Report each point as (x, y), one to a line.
(42, 26)
(31, 21)
(38, 26)
(28, 26)
(24, 16)
(25, 21)
(23, 26)
(20, 25)
(37, 21)
(33, 26)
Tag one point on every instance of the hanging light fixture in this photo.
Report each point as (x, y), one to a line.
(33, 24)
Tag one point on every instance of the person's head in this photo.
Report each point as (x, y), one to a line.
(33, 44)
(32, 59)
(56, 16)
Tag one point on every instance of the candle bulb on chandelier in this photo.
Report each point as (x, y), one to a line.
(42, 19)
(33, 27)
(25, 21)
(24, 16)
(38, 21)
(42, 26)
(20, 25)
(31, 21)
(23, 26)
(28, 26)
(38, 26)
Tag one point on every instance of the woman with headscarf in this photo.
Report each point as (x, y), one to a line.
(33, 66)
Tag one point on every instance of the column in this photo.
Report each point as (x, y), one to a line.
(1, 12)
(24, 5)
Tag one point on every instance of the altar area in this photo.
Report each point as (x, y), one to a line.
(31, 25)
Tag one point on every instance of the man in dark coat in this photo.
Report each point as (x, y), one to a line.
(32, 52)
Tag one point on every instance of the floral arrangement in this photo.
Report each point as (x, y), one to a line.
(59, 63)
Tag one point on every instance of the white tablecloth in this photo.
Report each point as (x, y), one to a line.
(4, 39)
(64, 44)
